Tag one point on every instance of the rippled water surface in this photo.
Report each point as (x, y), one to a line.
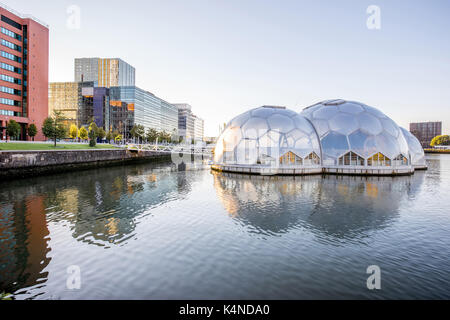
(167, 232)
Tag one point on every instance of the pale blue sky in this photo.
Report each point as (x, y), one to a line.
(224, 57)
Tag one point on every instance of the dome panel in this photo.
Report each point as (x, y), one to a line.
(305, 125)
(246, 152)
(325, 113)
(390, 127)
(280, 123)
(344, 123)
(377, 113)
(362, 143)
(335, 144)
(351, 108)
(387, 145)
(255, 127)
(231, 138)
(322, 127)
(370, 123)
(262, 112)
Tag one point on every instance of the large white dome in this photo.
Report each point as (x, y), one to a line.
(348, 126)
(415, 150)
(263, 135)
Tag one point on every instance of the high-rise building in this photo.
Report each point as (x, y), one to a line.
(190, 127)
(24, 53)
(426, 131)
(105, 72)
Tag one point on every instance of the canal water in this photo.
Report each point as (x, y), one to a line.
(183, 232)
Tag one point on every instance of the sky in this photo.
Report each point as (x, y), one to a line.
(225, 57)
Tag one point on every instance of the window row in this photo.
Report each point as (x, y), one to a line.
(10, 90)
(10, 56)
(11, 45)
(377, 160)
(10, 102)
(11, 34)
(11, 22)
(4, 77)
(11, 68)
(10, 113)
(291, 158)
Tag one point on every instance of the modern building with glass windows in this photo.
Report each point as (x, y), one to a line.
(144, 109)
(190, 127)
(334, 136)
(105, 72)
(426, 131)
(24, 52)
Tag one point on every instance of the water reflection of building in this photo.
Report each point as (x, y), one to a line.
(338, 206)
(24, 237)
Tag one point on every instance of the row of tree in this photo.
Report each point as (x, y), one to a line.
(152, 135)
(13, 130)
(443, 140)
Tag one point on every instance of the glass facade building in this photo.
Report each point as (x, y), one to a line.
(105, 72)
(335, 136)
(190, 127)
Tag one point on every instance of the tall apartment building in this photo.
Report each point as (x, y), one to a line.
(190, 127)
(426, 131)
(105, 73)
(24, 53)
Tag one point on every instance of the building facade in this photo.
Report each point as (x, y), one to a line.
(24, 54)
(143, 108)
(199, 129)
(426, 131)
(105, 72)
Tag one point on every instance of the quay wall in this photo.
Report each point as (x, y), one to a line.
(24, 164)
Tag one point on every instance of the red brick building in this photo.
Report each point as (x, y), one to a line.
(24, 52)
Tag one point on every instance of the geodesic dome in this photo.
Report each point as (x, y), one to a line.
(415, 149)
(352, 133)
(268, 136)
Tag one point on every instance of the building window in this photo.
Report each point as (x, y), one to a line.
(10, 68)
(4, 77)
(10, 56)
(10, 90)
(10, 113)
(312, 159)
(11, 34)
(400, 160)
(379, 160)
(351, 159)
(10, 102)
(11, 22)
(11, 45)
(291, 158)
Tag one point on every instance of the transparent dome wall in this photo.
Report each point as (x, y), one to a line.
(354, 134)
(268, 136)
(415, 149)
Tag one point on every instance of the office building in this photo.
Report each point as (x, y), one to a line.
(24, 53)
(143, 108)
(105, 72)
(190, 127)
(426, 131)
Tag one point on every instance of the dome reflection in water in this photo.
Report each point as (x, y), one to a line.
(336, 206)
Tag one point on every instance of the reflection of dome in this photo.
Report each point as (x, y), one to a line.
(415, 150)
(334, 136)
(261, 136)
(342, 207)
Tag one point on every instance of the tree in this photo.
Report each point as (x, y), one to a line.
(152, 135)
(164, 136)
(443, 140)
(32, 131)
(83, 133)
(13, 129)
(118, 138)
(109, 136)
(138, 131)
(73, 131)
(93, 134)
(53, 127)
(101, 134)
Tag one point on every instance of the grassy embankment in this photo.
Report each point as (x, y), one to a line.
(11, 146)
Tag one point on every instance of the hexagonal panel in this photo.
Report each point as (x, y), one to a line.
(254, 128)
(362, 143)
(335, 144)
(387, 145)
(343, 123)
(247, 152)
(270, 140)
(302, 123)
(322, 127)
(351, 108)
(280, 123)
(262, 112)
(240, 120)
(377, 113)
(325, 113)
(390, 127)
(370, 123)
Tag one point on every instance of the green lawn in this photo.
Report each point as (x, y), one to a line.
(41, 146)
